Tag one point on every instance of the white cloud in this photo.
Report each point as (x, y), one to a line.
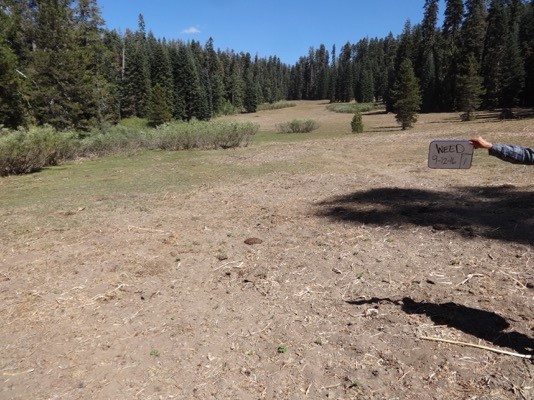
(191, 31)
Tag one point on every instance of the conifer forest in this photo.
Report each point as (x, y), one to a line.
(60, 66)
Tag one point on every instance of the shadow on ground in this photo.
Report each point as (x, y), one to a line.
(502, 213)
(482, 324)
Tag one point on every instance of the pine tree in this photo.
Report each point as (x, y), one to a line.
(57, 69)
(406, 95)
(527, 45)
(94, 90)
(426, 68)
(494, 53)
(187, 88)
(448, 70)
(250, 101)
(214, 79)
(470, 88)
(135, 85)
(13, 110)
(390, 50)
(161, 70)
(513, 72)
(235, 86)
(159, 108)
(474, 29)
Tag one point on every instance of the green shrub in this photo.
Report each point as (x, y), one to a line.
(276, 106)
(23, 151)
(357, 123)
(297, 126)
(114, 140)
(227, 108)
(203, 135)
(28, 151)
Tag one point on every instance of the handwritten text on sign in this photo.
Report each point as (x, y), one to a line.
(450, 154)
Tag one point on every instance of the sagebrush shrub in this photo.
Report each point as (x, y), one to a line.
(297, 126)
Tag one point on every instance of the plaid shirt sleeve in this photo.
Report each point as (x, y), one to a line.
(513, 153)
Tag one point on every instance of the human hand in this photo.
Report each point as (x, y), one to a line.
(480, 143)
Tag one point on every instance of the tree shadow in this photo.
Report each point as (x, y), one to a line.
(501, 213)
(482, 324)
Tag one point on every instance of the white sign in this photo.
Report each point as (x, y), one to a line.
(450, 154)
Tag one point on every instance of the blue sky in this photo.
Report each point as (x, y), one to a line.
(286, 29)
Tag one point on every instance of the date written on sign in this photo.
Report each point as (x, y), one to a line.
(450, 154)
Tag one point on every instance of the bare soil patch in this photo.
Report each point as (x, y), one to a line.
(285, 270)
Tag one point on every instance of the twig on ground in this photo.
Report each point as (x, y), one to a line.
(478, 346)
(468, 279)
(512, 278)
(261, 330)
(131, 227)
(229, 263)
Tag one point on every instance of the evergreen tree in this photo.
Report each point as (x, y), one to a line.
(494, 53)
(236, 85)
(214, 81)
(159, 108)
(112, 74)
(474, 29)
(135, 85)
(93, 87)
(527, 46)
(513, 72)
(406, 95)
(345, 75)
(426, 68)
(58, 93)
(470, 88)
(250, 101)
(161, 70)
(332, 78)
(187, 87)
(390, 50)
(448, 70)
(12, 105)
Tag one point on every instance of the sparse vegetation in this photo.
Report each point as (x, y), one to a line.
(349, 223)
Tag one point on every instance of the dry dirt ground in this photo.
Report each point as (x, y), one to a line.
(359, 252)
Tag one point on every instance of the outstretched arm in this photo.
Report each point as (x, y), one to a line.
(507, 152)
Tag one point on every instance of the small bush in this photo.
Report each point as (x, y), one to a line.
(297, 126)
(357, 123)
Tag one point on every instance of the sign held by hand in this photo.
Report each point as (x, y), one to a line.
(450, 154)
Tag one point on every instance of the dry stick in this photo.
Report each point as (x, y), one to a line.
(515, 280)
(468, 278)
(478, 346)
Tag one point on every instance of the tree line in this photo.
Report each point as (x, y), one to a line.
(482, 55)
(60, 66)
